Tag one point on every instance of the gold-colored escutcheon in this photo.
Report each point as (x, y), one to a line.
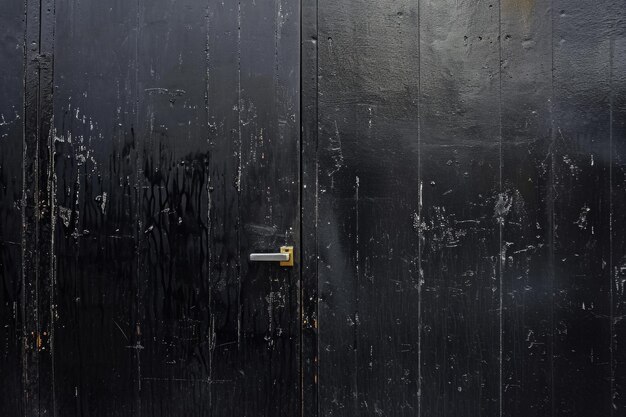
(289, 250)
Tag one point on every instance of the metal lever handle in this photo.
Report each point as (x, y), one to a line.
(269, 257)
(285, 256)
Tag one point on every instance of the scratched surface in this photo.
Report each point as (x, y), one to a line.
(456, 202)
(471, 194)
(177, 154)
(12, 27)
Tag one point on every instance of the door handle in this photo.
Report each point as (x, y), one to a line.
(285, 256)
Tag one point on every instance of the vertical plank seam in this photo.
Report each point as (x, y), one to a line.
(356, 292)
(209, 231)
(611, 273)
(238, 180)
(316, 287)
(550, 209)
(37, 209)
(308, 244)
(300, 242)
(501, 249)
(420, 272)
(52, 183)
(138, 221)
(29, 355)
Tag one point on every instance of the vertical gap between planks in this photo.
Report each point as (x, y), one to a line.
(309, 321)
(209, 231)
(502, 249)
(300, 243)
(53, 197)
(238, 179)
(37, 211)
(550, 211)
(316, 287)
(136, 133)
(420, 276)
(611, 273)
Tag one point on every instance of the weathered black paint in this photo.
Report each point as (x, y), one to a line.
(168, 151)
(451, 174)
(97, 142)
(178, 154)
(38, 212)
(470, 200)
(12, 26)
(309, 220)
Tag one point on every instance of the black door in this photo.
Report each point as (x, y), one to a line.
(165, 138)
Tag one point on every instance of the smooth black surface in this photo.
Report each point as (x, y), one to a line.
(451, 174)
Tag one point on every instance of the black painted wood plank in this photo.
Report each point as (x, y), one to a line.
(174, 309)
(617, 136)
(254, 118)
(337, 277)
(527, 277)
(224, 272)
(382, 147)
(269, 175)
(581, 164)
(309, 210)
(95, 152)
(369, 277)
(38, 211)
(337, 205)
(46, 211)
(464, 207)
(12, 26)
